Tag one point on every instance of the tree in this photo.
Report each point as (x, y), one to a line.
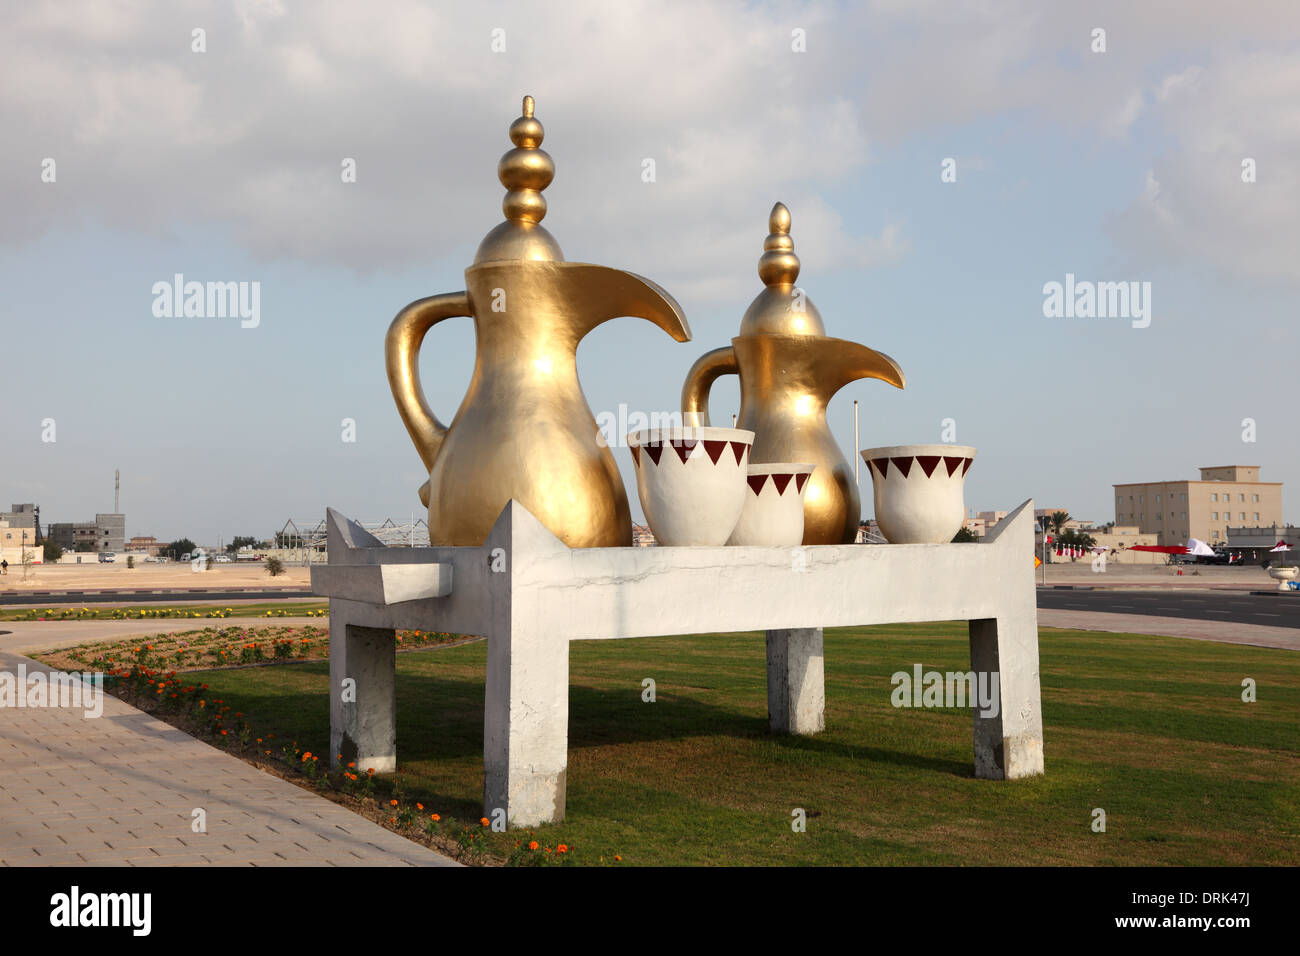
(1059, 518)
(1076, 538)
(84, 546)
(964, 535)
(181, 546)
(52, 551)
(240, 541)
(274, 566)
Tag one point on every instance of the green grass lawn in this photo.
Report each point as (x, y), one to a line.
(1151, 729)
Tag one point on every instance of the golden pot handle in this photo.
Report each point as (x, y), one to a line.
(401, 357)
(699, 380)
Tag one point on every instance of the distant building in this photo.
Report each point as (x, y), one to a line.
(106, 533)
(17, 542)
(1116, 540)
(642, 537)
(1256, 544)
(23, 516)
(1177, 510)
(147, 543)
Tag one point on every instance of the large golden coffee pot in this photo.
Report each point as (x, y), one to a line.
(789, 369)
(523, 430)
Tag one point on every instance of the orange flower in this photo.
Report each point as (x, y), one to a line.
(617, 858)
(392, 803)
(532, 845)
(419, 806)
(224, 732)
(483, 820)
(392, 819)
(563, 848)
(435, 818)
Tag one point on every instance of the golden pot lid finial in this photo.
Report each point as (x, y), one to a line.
(782, 308)
(525, 171)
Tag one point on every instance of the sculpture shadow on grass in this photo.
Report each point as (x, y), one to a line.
(440, 718)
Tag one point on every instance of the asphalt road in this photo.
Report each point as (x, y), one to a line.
(148, 596)
(1239, 607)
(1235, 606)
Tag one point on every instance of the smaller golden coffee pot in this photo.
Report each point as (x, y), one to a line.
(789, 370)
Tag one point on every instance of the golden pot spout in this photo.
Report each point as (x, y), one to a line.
(523, 430)
(789, 371)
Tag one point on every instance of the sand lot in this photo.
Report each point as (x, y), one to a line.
(76, 577)
(1246, 577)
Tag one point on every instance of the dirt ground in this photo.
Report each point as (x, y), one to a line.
(59, 577)
(1244, 577)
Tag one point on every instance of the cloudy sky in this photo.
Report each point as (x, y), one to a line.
(224, 165)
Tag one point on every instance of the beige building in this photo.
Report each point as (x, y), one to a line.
(1177, 510)
(17, 542)
(1117, 541)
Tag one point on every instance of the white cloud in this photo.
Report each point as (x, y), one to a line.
(249, 136)
(1196, 206)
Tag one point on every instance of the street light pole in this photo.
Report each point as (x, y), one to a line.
(856, 446)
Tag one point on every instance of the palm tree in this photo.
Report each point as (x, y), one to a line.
(1059, 518)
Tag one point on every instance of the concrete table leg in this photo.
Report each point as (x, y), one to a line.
(1008, 744)
(796, 681)
(526, 725)
(363, 695)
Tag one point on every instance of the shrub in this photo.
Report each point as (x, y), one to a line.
(274, 566)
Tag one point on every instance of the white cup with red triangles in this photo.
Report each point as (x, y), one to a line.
(773, 512)
(919, 491)
(691, 482)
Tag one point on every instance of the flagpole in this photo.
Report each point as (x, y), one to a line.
(856, 445)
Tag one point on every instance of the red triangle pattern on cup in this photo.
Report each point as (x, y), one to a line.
(779, 482)
(929, 464)
(685, 446)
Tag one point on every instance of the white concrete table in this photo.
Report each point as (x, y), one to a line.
(530, 595)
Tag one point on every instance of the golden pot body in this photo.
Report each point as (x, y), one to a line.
(523, 430)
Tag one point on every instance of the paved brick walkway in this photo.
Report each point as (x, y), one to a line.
(121, 790)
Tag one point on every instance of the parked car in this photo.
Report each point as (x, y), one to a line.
(222, 559)
(107, 557)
